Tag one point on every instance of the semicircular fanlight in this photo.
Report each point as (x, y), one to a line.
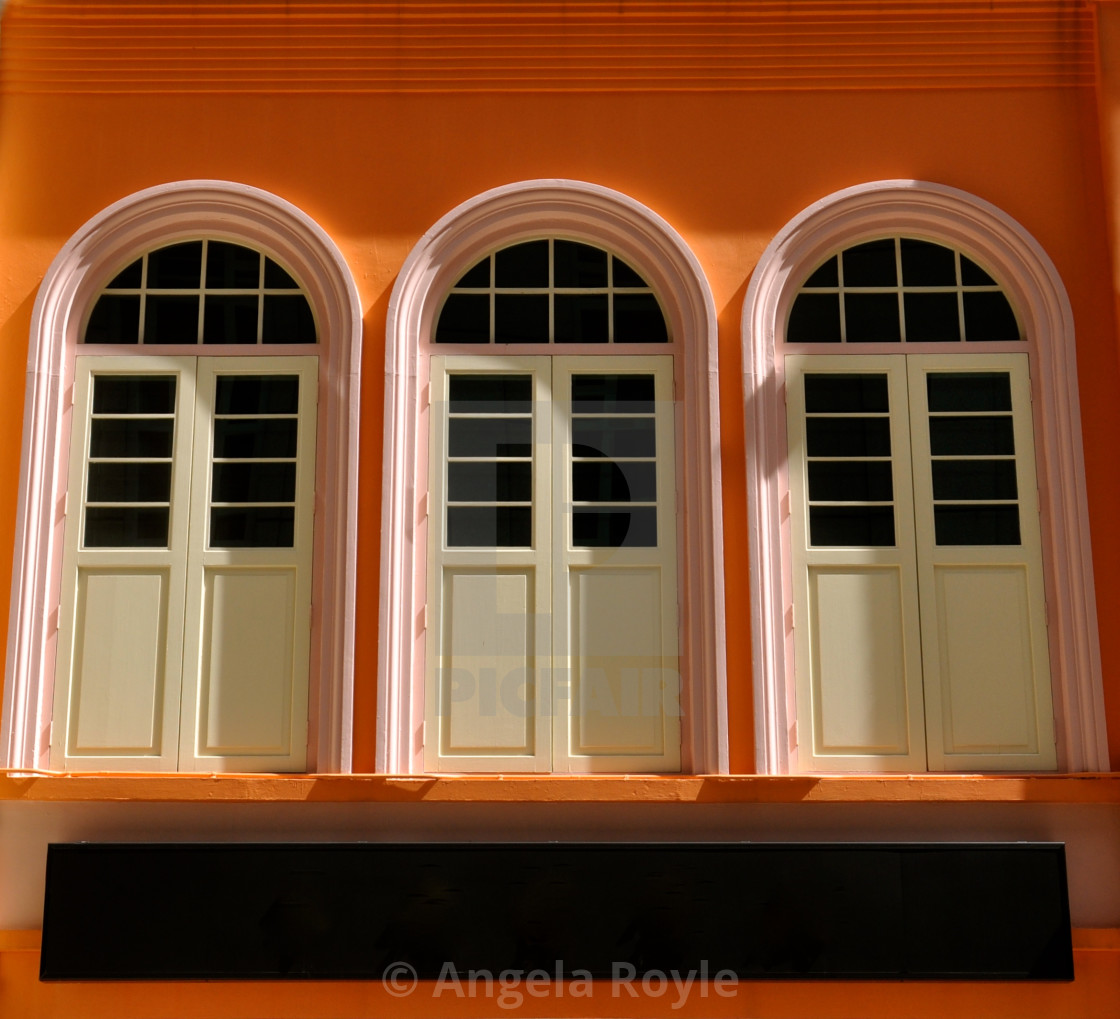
(551, 291)
(901, 290)
(207, 292)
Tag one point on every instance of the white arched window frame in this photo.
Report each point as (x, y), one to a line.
(143, 221)
(497, 219)
(955, 218)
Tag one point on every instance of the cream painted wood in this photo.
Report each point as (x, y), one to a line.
(858, 654)
(249, 667)
(120, 638)
(488, 695)
(489, 655)
(248, 610)
(121, 610)
(984, 634)
(856, 618)
(552, 657)
(615, 609)
(966, 624)
(154, 640)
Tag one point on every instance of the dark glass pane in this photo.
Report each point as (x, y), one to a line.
(613, 437)
(927, 265)
(490, 437)
(288, 320)
(632, 528)
(605, 481)
(976, 525)
(229, 319)
(850, 481)
(931, 318)
(870, 264)
(114, 320)
(231, 266)
(254, 482)
(624, 276)
(971, 436)
(170, 319)
(578, 265)
(614, 394)
(968, 391)
(129, 278)
(974, 479)
(129, 482)
(176, 267)
(126, 527)
(860, 526)
(257, 394)
(134, 394)
(249, 439)
(581, 318)
(872, 318)
(465, 318)
(973, 276)
(523, 265)
(252, 526)
(846, 393)
(501, 481)
(988, 318)
(489, 526)
(848, 437)
(521, 318)
(493, 394)
(814, 318)
(638, 319)
(277, 278)
(478, 275)
(131, 437)
(827, 275)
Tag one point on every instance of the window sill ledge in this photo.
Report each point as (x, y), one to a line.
(1095, 788)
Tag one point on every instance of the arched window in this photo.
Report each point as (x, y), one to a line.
(903, 598)
(204, 375)
(550, 560)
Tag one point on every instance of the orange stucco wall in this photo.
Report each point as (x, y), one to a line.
(726, 171)
(394, 119)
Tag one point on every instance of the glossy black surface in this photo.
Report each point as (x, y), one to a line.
(764, 910)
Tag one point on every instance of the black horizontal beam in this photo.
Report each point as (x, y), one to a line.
(758, 910)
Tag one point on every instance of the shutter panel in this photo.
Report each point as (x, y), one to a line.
(120, 638)
(615, 555)
(856, 629)
(488, 688)
(248, 600)
(984, 642)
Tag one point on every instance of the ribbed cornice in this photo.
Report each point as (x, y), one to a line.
(73, 46)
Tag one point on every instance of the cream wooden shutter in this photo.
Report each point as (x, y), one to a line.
(177, 650)
(949, 613)
(984, 642)
(120, 637)
(614, 566)
(856, 621)
(489, 644)
(248, 599)
(551, 587)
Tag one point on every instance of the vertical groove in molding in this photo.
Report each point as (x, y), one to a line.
(72, 46)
